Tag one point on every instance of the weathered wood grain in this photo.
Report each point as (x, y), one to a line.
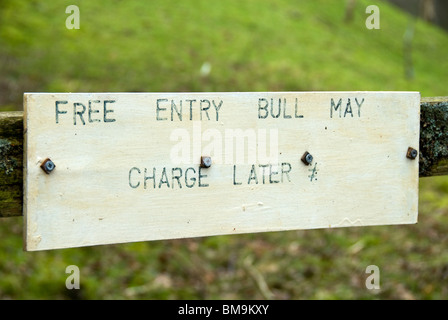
(128, 164)
(433, 151)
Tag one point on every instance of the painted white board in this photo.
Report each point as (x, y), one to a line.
(127, 165)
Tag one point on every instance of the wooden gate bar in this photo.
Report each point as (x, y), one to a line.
(433, 137)
(11, 163)
(433, 158)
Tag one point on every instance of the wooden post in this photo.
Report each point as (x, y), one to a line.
(433, 137)
(11, 163)
(433, 151)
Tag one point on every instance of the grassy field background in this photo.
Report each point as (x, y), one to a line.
(284, 45)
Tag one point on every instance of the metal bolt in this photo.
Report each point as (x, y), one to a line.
(307, 158)
(206, 162)
(48, 166)
(412, 153)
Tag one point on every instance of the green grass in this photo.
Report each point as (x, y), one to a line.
(251, 46)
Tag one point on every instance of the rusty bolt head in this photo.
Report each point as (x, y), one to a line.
(206, 162)
(307, 158)
(48, 166)
(411, 153)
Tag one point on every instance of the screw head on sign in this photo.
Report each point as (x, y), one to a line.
(48, 166)
(206, 162)
(412, 153)
(307, 158)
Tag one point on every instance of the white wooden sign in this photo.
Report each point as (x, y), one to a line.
(107, 168)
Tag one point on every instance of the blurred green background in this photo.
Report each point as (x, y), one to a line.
(230, 45)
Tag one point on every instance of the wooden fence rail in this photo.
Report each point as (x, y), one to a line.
(433, 159)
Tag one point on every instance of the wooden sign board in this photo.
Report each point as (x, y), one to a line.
(126, 167)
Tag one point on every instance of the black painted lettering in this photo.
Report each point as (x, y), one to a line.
(176, 177)
(263, 166)
(285, 116)
(164, 179)
(58, 111)
(348, 109)
(130, 172)
(106, 111)
(191, 107)
(217, 108)
(265, 108)
(79, 113)
(205, 109)
(193, 179)
(296, 108)
(91, 110)
(159, 108)
(153, 177)
(286, 171)
(234, 177)
(271, 174)
(178, 111)
(200, 177)
(335, 107)
(279, 108)
(359, 106)
(253, 175)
